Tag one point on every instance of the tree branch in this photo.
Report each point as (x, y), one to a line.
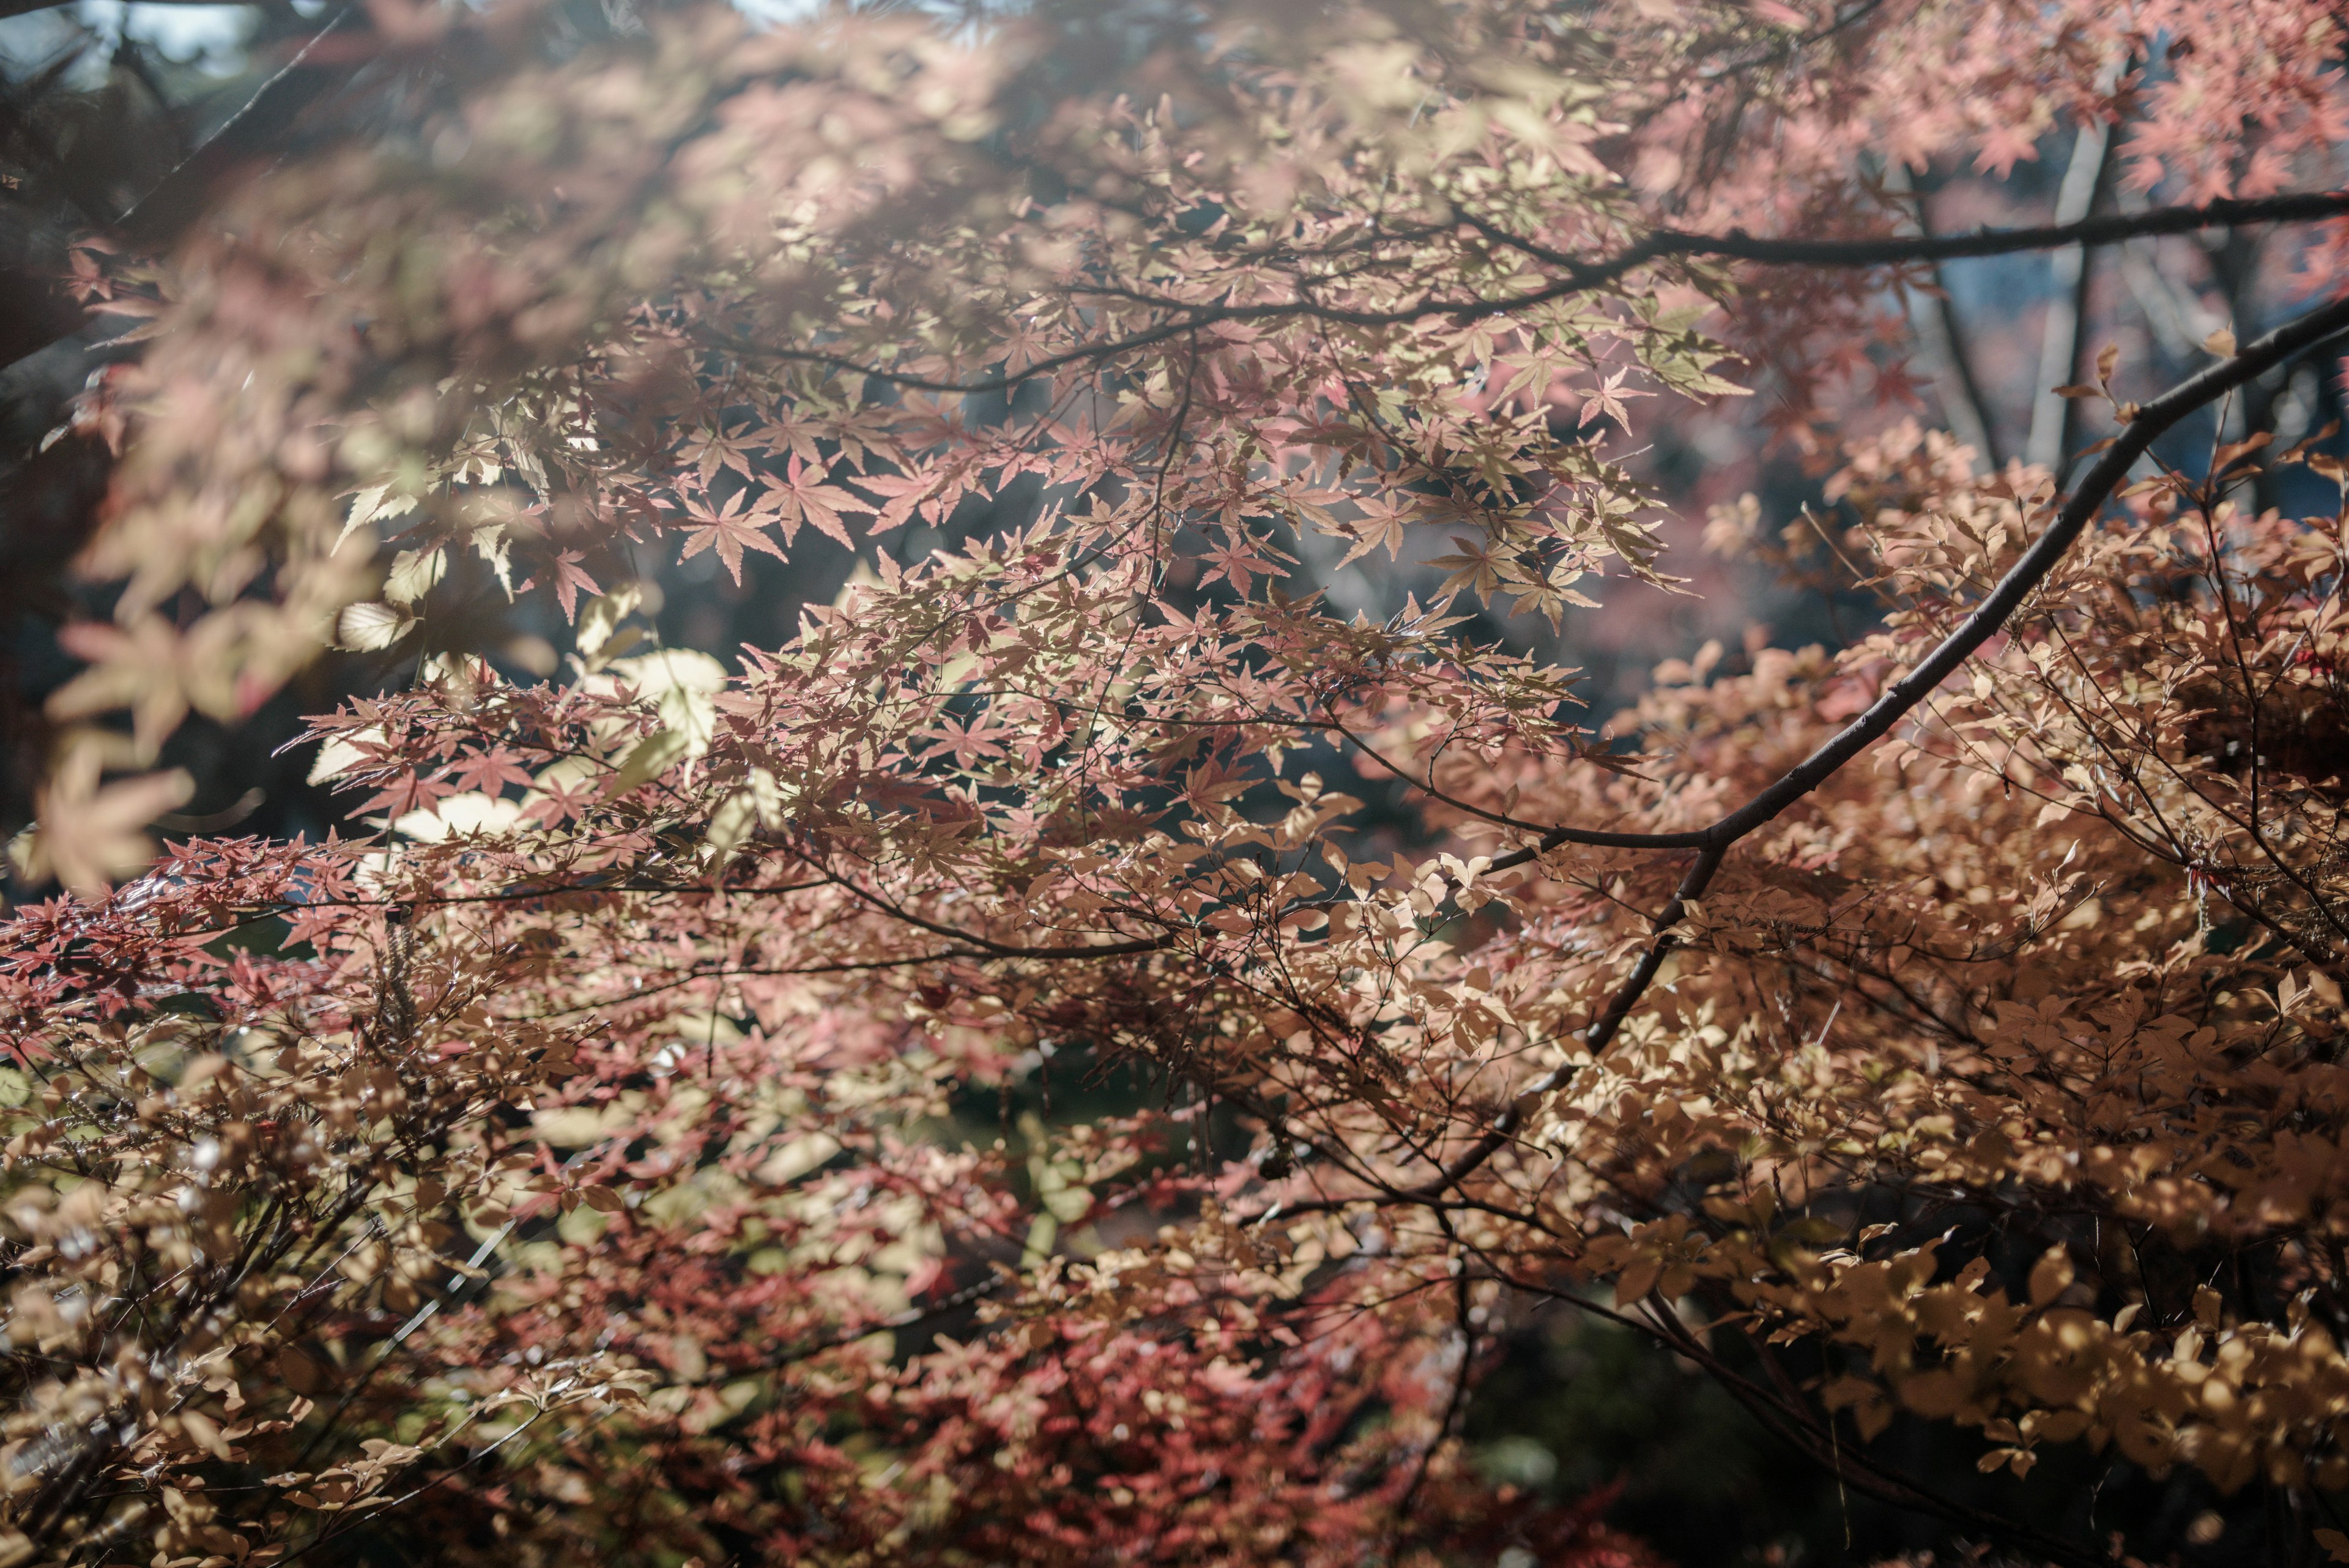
(26, 8)
(2106, 229)
(1897, 701)
(1583, 275)
(1595, 838)
(260, 121)
(2052, 416)
(2152, 420)
(1779, 1414)
(1935, 318)
(1893, 250)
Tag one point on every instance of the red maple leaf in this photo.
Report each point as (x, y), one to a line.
(727, 528)
(797, 498)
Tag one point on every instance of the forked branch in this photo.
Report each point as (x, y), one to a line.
(2135, 437)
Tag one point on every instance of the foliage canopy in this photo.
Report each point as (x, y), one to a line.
(645, 1145)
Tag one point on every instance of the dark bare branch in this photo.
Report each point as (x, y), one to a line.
(1583, 275)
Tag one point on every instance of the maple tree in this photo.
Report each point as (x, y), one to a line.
(644, 1141)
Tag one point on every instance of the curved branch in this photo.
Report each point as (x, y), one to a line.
(261, 123)
(2110, 228)
(1987, 619)
(1593, 837)
(991, 949)
(2152, 420)
(1596, 1039)
(26, 8)
(1582, 275)
(1893, 250)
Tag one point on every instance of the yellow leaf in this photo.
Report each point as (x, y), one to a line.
(767, 794)
(601, 619)
(2050, 1276)
(650, 758)
(683, 684)
(414, 574)
(729, 824)
(204, 1432)
(368, 627)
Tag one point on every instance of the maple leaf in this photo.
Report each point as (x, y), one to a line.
(726, 528)
(969, 744)
(403, 791)
(1605, 401)
(570, 578)
(559, 800)
(1238, 559)
(794, 432)
(800, 496)
(142, 666)
(711, 448)
(1382, 525)
(903, 497)
(2004, 145)
(486, 772)
(1479, 567)
(90, 834)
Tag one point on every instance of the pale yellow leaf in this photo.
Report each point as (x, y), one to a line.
(650, 758)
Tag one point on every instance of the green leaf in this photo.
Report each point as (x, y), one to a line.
(647, 761)
(729, 824)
